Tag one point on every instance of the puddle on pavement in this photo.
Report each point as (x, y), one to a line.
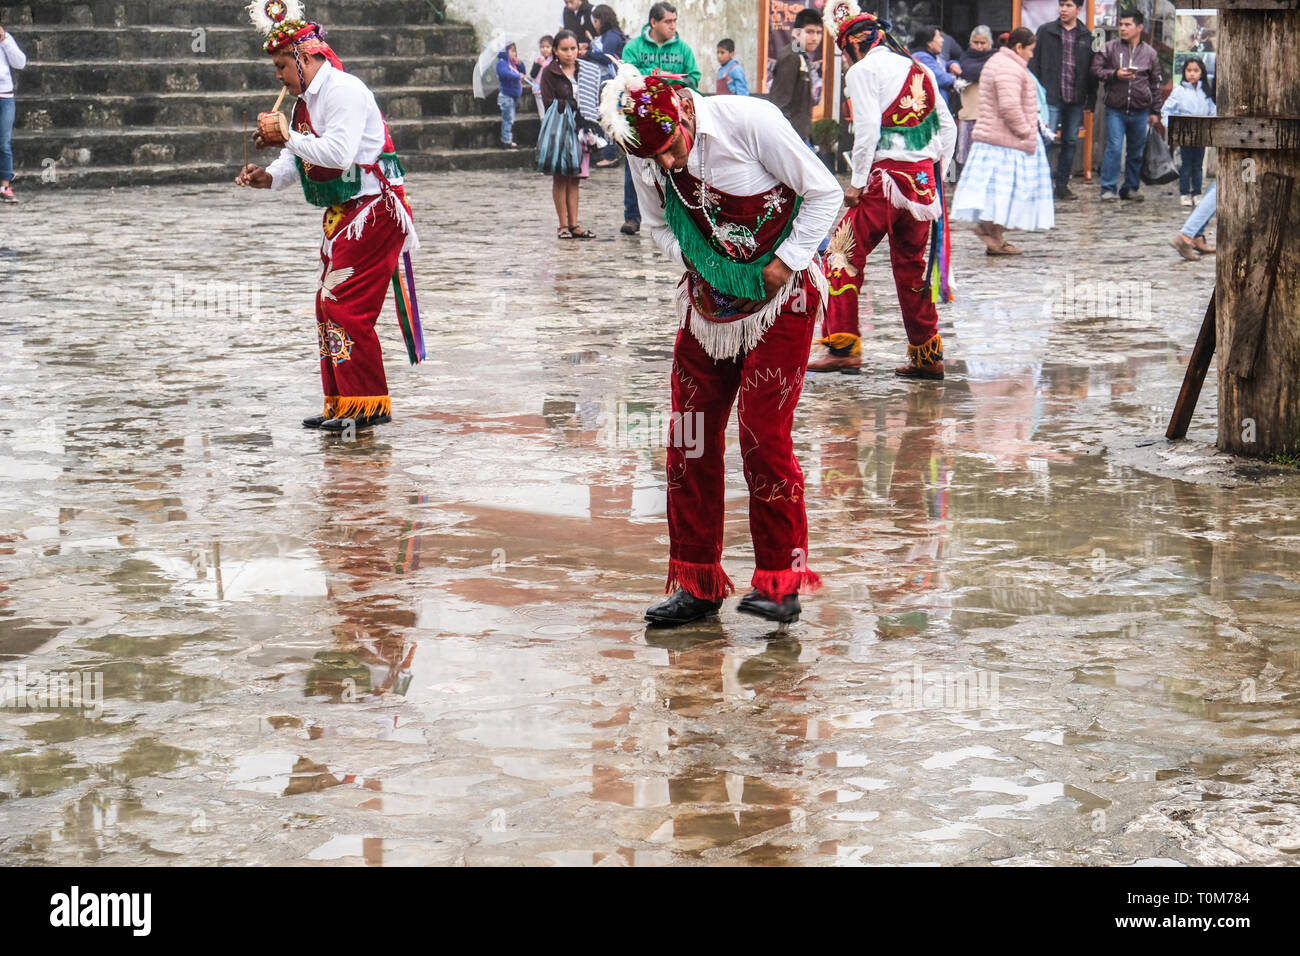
(426, 646)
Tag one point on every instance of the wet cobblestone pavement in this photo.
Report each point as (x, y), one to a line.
(425, 645)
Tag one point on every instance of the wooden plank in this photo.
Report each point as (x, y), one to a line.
(1258, 258)
(1235, 132)
(1197, 367)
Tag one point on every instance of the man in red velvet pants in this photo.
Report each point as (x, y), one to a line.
(728, 189)
(901, 130)
(338, 149)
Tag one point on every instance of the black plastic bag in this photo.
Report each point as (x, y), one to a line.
(1157, 161)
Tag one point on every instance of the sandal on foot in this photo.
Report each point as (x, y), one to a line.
(580, 233)
(1006, 249)
(564, 232)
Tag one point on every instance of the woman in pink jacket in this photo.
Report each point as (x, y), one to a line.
(1007, 183)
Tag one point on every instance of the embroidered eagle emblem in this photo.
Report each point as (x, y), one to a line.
(332, 278)
(914, 103)
(839, 251)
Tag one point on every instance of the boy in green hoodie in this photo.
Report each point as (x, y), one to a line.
(658, 47)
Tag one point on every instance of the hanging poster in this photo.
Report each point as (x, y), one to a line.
(779, 30)
(1034, 13)
(1196, 34)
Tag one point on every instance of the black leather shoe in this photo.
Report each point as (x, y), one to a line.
(358, 423)
(759, 605)
(682, 608)
(314, 422)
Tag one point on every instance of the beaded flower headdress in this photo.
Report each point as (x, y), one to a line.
(640, 113)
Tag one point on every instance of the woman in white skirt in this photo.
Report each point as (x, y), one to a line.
(1006, 183)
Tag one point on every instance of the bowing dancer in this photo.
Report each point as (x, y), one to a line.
(338, 149)
(902, 131)
(730, 192)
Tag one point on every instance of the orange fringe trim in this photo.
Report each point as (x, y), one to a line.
(927, 352)
(841, 341)
(357, 406)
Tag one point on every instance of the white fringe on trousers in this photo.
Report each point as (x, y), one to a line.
(726, 340)
(396, 209)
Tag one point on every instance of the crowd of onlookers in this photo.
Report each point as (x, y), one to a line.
(1018, 100)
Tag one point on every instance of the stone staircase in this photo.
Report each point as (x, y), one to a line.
(135, 92)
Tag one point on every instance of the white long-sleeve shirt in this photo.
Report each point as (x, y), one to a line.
(872, 84)
(350, 130)
(11, 58)
(745, 146)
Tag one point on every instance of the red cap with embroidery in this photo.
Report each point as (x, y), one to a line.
(641, 113)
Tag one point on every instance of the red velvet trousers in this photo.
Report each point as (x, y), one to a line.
(355, 276)
(764, 383)
(872, 219)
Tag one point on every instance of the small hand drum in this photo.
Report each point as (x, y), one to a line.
(274, 127)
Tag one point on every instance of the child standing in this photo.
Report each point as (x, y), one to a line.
(731, 75)
(511, 74)
(1193, 97)
(543, 60)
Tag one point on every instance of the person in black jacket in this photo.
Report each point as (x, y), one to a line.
(792, 76)
(1062, 62)
(577, 17)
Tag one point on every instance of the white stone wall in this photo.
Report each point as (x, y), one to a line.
(701, 23)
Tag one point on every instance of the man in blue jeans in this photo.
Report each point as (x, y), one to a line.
(11, 58)
(1063, 64)
(1131, 71)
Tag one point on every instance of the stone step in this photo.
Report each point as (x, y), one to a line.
(225, 145)
(61, 43)
(445, 159)
(132, 92)
(209, 75)
(103, 111)
(108, 13)
(28, 179)
(102, 177)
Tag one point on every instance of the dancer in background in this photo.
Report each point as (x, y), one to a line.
(903, 135)
(339, 151)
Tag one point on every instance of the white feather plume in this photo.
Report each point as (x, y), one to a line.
(613, 114)
(261, 19)
(836, 12)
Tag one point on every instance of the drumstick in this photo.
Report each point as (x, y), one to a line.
(245, 139)
(279, 99)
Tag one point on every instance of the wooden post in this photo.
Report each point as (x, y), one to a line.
(1257, 133)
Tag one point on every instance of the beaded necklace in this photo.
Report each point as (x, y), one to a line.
(727, 232)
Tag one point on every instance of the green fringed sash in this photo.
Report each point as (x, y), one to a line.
(912, 137)
(332, 192)
(742, 279)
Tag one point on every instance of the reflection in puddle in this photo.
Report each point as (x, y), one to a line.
(426, 645)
